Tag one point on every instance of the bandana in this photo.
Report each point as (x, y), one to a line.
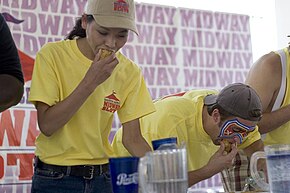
(234, 129)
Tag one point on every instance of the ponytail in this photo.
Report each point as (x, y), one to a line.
(78, 31)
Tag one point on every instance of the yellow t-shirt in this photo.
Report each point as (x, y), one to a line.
(180, 116)
(59, 68)
(281, 134)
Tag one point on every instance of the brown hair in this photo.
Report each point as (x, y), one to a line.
(78, 31)
(224, 114)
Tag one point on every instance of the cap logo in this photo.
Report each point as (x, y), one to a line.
(122, 6)
(256, 113)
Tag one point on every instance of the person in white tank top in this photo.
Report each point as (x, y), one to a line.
(270, 77)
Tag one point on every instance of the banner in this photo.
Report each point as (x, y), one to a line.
(177, 48)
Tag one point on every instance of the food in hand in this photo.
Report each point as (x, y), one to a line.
(105, 53)
(228, 145)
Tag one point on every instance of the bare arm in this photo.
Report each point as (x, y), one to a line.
(265, 78)
(218, 162)
(133, 140)
(11, 91)
(52, 118)
(273, 120)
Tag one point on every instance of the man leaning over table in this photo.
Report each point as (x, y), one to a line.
(202, 119)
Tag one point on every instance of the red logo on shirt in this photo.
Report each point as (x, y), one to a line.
(111, 103)
(122, 6)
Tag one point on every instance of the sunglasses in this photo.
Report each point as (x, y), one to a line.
(235, 129)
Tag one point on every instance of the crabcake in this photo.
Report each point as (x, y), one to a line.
(105, 53)
(228, 145)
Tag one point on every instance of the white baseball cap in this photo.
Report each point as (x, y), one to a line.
(113, 13)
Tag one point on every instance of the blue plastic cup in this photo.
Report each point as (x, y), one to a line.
(124, 174)
(157, 143)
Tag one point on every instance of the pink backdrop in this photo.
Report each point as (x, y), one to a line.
(178, 49)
